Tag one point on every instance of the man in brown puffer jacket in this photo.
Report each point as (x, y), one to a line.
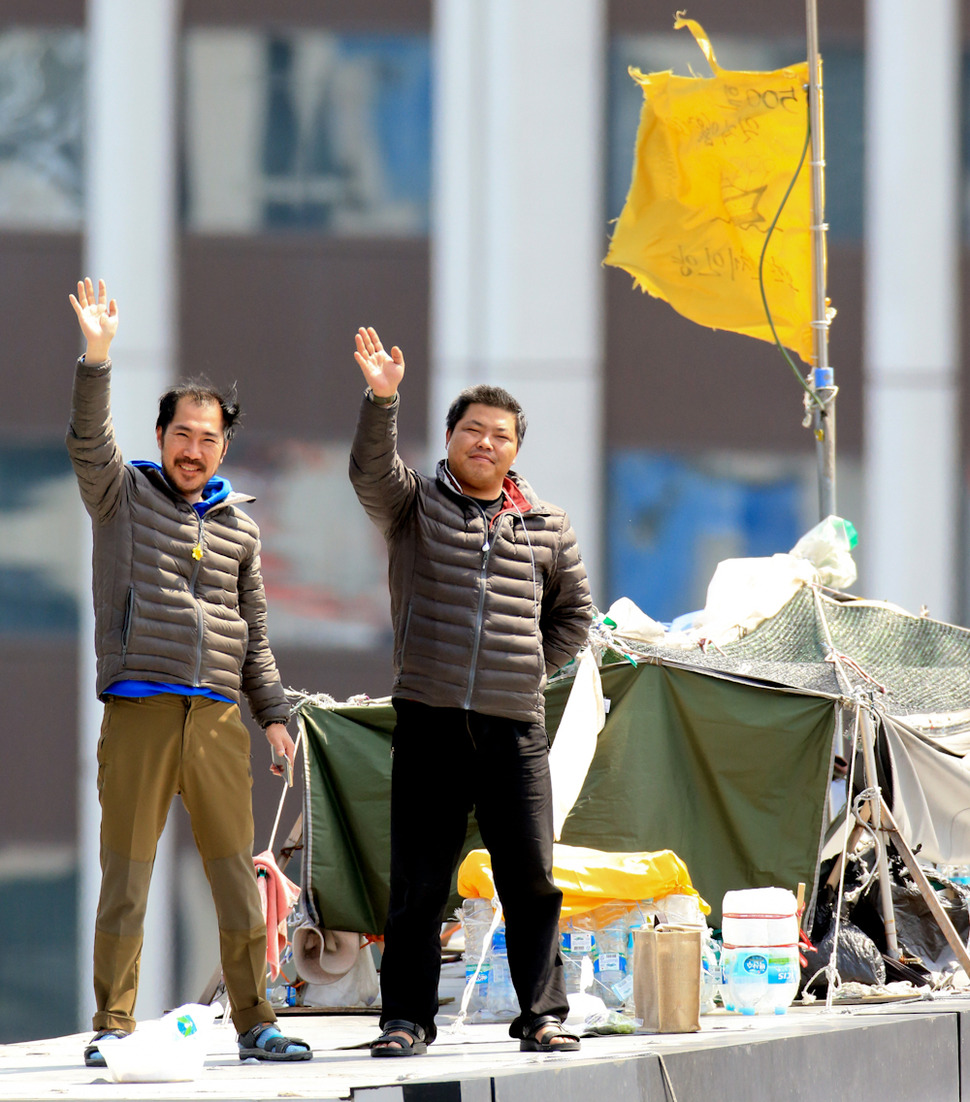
(488, 597)
(180, 635)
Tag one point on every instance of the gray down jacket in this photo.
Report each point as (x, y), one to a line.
(481, 614)
(161, 615)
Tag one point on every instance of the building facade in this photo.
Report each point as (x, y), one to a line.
(306, 207)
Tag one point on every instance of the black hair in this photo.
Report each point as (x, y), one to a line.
(486, 395)
(202, 391)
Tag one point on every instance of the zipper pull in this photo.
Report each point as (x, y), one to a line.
(486, 546)
(197, 550)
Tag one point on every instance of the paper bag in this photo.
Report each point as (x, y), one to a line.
(667, 979)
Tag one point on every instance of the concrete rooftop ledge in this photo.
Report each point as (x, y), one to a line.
(913, 1051)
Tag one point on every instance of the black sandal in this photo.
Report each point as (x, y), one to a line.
(93, 1056)
(265, 1042)
(390, 1044)
(540, 1038)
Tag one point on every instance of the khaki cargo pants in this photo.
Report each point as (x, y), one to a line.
(150, 749)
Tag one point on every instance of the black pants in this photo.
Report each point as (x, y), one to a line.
(446, 762)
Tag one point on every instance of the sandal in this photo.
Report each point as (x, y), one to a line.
(93, 1057)
(265, 1042)
(391, 1044)
(541, 1038)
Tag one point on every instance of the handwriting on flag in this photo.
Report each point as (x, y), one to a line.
(714, 158)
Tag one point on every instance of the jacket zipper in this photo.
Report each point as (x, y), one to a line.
(404, 636)
(197, 552)
(126, 625)
(480, 613)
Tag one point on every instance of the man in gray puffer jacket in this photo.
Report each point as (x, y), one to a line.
(180, 635)
(488, 597)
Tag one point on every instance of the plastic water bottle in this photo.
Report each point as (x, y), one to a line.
(501, 1001)
(476, 917)
(759, 962)
(784, 976)
(611, 964)
(710, 972)
(744, 974)
(959, 874)
(574, 944)
(759, 979)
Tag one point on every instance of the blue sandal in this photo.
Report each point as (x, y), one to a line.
(265, 1042)
(93, 1057)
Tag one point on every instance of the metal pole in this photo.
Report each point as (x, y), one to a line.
(823, 377)
(878, 809)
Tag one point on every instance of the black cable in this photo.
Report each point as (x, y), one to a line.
(761, 274)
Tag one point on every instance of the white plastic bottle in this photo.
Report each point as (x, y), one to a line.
(710, 972)
(574, 944)
(759, 962)
(759, 979)
(500, 1002)
(476, 917)
(611, 966)
(744, 977)
(784, 975)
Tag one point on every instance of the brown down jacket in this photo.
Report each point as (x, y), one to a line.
(160, 615)
(479, 622)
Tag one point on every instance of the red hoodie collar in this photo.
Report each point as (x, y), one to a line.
(514, 498)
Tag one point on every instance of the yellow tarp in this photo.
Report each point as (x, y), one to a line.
(591, 877)
(714, 157)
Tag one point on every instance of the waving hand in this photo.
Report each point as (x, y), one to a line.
(383, 372)
(97, 317)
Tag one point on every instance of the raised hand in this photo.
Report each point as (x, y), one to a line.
(383, 372)
(97, 317)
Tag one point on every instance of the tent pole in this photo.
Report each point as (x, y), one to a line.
(877, 813)
(927, 892)
(883, 821)
(823, 377)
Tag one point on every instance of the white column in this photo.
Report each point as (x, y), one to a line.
(910, 539)
(519, 231)
(130, 170)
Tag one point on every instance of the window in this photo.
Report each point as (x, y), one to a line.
(39, 519)
(307, 130)
(41, 111)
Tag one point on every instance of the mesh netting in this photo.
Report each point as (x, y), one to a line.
(923, 664)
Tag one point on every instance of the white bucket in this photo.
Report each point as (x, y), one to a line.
(759, 916)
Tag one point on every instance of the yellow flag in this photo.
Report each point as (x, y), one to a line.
(714, 158)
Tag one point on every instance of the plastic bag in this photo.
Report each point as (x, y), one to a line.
(171, 1049)
(918, 931)
(858, 959)
(828, 547)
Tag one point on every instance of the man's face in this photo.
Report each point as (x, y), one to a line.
(481, 449)
(192, 446)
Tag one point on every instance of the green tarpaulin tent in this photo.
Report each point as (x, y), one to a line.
(730, 774)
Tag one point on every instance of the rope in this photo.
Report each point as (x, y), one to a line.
(300, 698)
(457, 1026)
(831, 969)
(298, 742)
(834, 656)
(840, 660)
